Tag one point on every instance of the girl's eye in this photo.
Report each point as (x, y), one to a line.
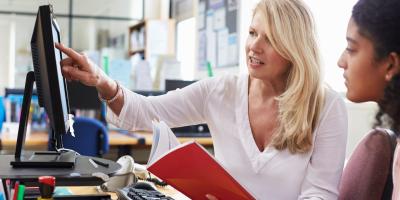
(350, 50)
(252, 33)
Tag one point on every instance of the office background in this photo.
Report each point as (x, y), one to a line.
(102, 29)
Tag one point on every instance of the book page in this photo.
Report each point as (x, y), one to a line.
(163, 141)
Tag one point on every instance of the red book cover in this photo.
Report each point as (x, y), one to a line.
(190, 169)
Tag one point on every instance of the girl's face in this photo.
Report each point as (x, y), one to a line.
(365, 77)
(263, 61)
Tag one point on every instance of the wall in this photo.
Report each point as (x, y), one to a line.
(361, 118)
(16, 31)
(7, 46)
(245, 13)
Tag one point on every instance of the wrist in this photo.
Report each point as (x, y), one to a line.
(103, 81)
(107, 99)
(107, 88)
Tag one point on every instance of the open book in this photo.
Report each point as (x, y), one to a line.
(189, 168)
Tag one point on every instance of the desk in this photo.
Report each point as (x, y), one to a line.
(168, 190)
(63, 175)
(40, 139)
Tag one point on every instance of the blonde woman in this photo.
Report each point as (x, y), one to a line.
(277, 130)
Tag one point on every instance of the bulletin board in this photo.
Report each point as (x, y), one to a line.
(217, 29)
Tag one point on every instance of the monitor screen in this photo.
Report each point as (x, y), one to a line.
(50, 84)
(185, 131)
(171, 84)
(82, 97)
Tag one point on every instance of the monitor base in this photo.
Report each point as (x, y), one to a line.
(49, 159)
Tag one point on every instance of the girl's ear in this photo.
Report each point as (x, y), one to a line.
(393, 67)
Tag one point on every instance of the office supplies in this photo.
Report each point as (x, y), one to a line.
(141, 190)
(93, 163)
(123, 177)
(46, 186)
(15, 191)
(189, 168)
(21, 191)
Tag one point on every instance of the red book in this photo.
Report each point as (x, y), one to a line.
(190, 169)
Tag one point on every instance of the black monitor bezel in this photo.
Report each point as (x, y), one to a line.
(47, 77)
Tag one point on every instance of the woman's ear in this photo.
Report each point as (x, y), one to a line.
(393, 67)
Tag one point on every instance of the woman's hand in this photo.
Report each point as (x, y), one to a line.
(80, 68)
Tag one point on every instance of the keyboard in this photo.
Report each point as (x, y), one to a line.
(131, 193)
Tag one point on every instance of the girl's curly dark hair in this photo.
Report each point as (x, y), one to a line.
(389, 107)
(379, 21)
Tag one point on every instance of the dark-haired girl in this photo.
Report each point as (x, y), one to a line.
(371, 64)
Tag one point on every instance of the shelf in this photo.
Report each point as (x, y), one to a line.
(152, 37)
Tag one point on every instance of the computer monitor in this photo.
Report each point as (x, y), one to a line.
(173, 84)
(50, 84)
(51, 90)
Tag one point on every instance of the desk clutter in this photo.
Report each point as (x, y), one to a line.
(46, 190)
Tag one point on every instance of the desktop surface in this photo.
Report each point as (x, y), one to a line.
(80, 175)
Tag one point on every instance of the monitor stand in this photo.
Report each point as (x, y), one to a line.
(45, 159)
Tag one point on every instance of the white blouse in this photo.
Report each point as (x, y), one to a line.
(222, 103)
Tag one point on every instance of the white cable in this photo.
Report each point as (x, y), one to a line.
(65, 149)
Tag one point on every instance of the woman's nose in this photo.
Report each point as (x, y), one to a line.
(342, 61)
(256, 45)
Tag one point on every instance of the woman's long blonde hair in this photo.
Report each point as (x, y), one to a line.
(290, 29)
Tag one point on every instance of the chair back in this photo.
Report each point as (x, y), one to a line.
(91, 137)
(2, 112)
(368, 173)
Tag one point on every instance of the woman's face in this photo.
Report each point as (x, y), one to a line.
(365, 77)
(263, 61)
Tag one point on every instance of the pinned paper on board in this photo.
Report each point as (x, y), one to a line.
(218, 33)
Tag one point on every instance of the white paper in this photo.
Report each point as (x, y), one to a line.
(163, 141)
(202, 46)
(170, 69)
(120, 70)
(202, 7)
(200, 21)
(209, 20)
(211, 48)
(142, 76)
(219, 19)
(223, 56)
(157, 37)
(232, 5)
(233, 58)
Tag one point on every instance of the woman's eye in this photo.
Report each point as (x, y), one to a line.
(252, 33)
